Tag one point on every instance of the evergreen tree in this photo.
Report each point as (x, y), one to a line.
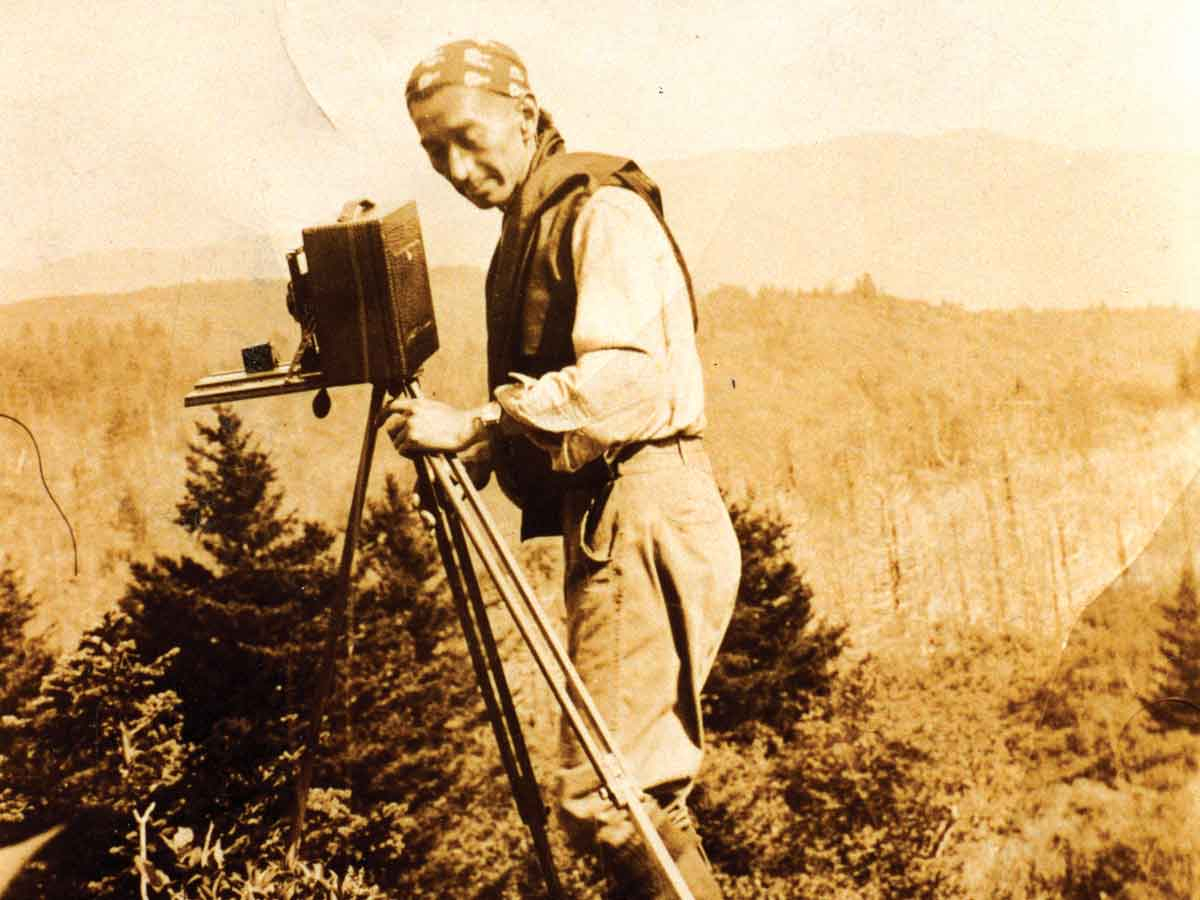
(775, 658)
(399, 556)
(244, 625)
(24, 658)
(1177, 674)
(100, 739)
(408, 726)
(231, 504)
(24, 661)
(864, 286)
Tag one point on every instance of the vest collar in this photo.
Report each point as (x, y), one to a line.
(549, 143)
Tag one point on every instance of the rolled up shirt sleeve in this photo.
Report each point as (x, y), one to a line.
(636, 375)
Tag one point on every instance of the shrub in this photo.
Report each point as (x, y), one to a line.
(24, 658)
(776, 658)
(101, 737)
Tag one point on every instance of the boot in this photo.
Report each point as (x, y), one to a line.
(633, 874)
(683, 843)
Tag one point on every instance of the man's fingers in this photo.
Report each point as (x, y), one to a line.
(422, 507)
(401, 406)
(398, 434)
(398, 427)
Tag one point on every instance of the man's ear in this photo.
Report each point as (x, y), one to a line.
(528, 108)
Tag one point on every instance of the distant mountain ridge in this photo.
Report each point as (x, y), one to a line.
(968, 216)
(121, 271)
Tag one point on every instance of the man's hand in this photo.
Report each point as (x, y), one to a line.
(419, 425)
(478, 463)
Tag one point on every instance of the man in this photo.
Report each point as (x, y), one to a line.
(594, 431)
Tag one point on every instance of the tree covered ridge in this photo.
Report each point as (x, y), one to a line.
(815, 390)
(168, 737)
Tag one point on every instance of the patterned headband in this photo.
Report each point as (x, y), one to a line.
(484, 64)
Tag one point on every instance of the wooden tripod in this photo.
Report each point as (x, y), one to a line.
(465, 530)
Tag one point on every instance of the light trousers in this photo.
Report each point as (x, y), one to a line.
(651, 573)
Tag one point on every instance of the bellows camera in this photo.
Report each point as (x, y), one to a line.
(359, 290)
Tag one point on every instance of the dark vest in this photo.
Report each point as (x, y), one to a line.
(531, 308)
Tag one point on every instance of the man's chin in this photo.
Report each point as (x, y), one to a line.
(484, 199)
(475, 198)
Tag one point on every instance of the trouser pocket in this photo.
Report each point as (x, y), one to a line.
(597, 527)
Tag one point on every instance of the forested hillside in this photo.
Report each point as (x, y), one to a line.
(100, 381)
(893, 714)
(832, 396)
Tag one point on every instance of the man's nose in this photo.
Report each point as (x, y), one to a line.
(459, 165)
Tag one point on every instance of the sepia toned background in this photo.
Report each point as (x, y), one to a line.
(948, 267)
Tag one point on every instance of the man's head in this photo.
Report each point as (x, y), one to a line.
(477, 118)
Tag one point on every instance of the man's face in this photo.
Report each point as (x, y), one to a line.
(479, 141)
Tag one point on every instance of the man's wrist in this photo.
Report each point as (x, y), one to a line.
(485, 420)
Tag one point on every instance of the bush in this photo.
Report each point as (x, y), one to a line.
(101, 736)
(24, 658)
(776, 659)
(803, 793)
(837, 808)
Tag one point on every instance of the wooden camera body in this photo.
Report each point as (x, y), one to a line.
(360, 291)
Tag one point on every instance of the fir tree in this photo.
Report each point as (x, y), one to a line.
(775, 658)
(1177, 674)
(864, 286)
(400, 555)
(231, 504)
(244, 624)
(24, 658)
(407, 727)
(24, 661)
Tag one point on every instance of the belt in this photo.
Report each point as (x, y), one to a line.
(677, 451)
(646, 456)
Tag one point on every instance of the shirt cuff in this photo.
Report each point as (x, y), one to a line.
(556, 428)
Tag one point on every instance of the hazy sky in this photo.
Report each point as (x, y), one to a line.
(151, 123)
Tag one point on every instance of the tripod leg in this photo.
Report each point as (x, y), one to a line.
(337, 625)
(572, 695)
(493, 685)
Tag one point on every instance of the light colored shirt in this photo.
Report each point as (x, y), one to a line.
(637, 374)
